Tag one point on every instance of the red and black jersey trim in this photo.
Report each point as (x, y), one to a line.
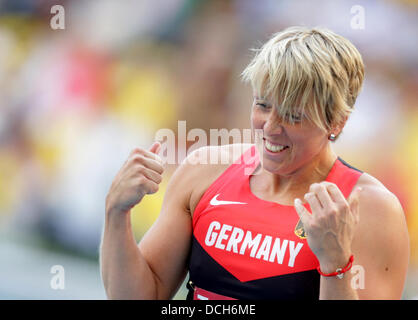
(206, 273)
(348, 165)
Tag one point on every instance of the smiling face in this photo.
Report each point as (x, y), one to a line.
(286, 146)
(309, 70)
(305, 82)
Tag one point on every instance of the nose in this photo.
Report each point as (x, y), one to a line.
(272, 124)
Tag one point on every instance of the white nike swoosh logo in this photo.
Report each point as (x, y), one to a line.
(215, 202)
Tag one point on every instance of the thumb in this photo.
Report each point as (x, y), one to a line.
(155, 147)
(302, 212)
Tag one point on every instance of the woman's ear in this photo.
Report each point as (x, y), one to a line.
(334, 133)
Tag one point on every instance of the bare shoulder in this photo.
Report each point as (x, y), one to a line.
(375, 195)
(382, 218)
(216, 155)
(204, 165)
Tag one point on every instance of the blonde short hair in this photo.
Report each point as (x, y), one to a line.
(309, 70)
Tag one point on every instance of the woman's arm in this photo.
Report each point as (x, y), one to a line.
(156, 267)
(381, 244)
(371, 226)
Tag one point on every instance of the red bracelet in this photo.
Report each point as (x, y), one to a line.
(339, 273)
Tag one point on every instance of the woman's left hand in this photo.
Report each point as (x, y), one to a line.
(330, 227)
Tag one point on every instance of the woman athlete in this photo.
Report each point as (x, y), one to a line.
(303, 224)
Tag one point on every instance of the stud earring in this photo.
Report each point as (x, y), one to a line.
(332, 137)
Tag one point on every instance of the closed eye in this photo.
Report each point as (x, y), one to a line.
(296, 118)
(262, 105)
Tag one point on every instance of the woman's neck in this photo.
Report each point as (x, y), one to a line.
(296, 183)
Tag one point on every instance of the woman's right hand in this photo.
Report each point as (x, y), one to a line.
(140, 175)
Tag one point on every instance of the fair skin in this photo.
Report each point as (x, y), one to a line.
(370, 224)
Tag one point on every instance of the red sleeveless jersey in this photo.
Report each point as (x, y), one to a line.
(244, 247)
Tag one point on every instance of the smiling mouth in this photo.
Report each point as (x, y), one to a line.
(275, 148)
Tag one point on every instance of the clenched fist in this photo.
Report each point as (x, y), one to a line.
(330, 226)
(140, 175)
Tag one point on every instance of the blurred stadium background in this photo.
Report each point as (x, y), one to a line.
(74, 102)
